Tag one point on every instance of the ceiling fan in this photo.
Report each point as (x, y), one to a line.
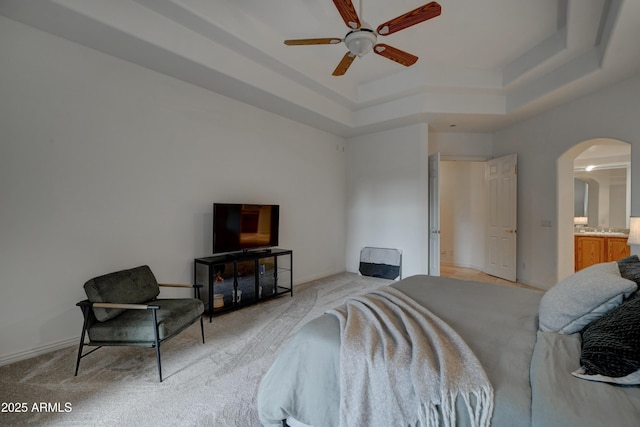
(361, 38)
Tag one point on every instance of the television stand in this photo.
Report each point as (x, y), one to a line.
(240, 279)
(245, 253)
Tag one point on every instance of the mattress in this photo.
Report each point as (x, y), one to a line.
(499, 324)
(562, 400)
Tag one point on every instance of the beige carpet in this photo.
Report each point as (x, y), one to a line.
(464, 273)
(211, 384)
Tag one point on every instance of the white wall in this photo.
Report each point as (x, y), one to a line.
(539, 142)
(388, 178)
(106, 165)
(387, 181)
(462, 214)
(460, 145)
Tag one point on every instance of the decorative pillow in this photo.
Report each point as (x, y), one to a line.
(631, 379)
(583, 297)
(630, 268)
(611, 346)
(133, 286)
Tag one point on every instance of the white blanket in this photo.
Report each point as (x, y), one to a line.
(400, 365)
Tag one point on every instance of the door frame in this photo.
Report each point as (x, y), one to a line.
(448, 158)
(434, 214)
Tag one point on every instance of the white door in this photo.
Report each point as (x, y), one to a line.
(501, 236)
(434, 214)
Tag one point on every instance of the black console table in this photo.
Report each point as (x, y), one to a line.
(241, 279)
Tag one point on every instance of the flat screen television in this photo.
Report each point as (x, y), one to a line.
(241, 227)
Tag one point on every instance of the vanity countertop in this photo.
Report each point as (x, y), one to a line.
(601, 234)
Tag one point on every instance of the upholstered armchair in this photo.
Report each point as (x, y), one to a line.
(122, 309)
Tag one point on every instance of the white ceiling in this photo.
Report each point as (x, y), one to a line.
(483, 64)
(604, 154)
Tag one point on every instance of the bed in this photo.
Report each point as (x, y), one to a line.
(529, 343)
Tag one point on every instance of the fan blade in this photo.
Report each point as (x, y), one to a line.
(300, 42)
(344, 65)
(348, 13)
(397, 55)
(428, 11)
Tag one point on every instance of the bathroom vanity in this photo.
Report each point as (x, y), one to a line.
(596, 247)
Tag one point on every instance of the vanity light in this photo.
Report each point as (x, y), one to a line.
(589, 168)
(634, 231)
(580, 220)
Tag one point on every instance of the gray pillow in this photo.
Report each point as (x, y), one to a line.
(583, 297)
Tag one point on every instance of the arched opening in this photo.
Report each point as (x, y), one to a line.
(565, 201)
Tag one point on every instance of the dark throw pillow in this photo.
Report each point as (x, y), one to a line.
(630, 268)
(611, 344)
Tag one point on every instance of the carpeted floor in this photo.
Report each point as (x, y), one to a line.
(211, 384)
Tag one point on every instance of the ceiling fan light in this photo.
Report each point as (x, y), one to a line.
(360, 47)
(360, 42)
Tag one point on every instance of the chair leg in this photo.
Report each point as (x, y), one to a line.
(157, 343)
(79, 357)
(85, 312)
(202, 329)
(158, 359)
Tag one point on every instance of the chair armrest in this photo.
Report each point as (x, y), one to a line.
(125, 306)
(179, 285)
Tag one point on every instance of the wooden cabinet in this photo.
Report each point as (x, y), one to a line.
(591, 250)
(617, 248)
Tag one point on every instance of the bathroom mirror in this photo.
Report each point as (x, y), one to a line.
(602, 185)
(581, 197)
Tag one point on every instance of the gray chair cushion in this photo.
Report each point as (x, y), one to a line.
(136, 326)
(134, 286)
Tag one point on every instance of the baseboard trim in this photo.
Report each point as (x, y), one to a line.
(314, 277)
(453, 264)
(38, 351)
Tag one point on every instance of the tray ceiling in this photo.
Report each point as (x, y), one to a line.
(483, 65)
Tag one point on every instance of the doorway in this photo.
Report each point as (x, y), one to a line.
(476, 215)
(462, 214)
(566, 165)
